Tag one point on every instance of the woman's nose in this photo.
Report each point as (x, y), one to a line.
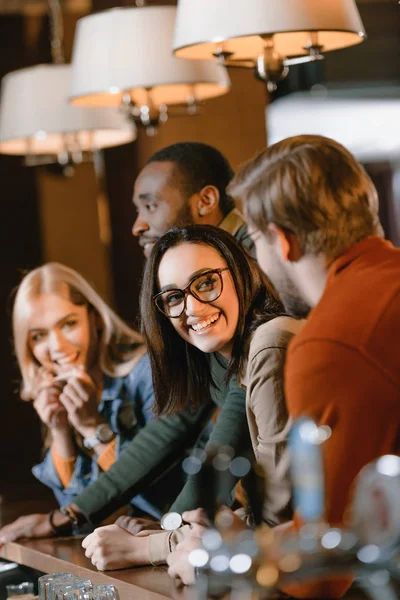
(193, 306)
(56, 341)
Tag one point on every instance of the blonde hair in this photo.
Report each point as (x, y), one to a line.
(119, 348)
(314, 187)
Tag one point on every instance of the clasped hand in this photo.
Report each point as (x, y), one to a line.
(74, 403)
(112, 547)
(125, 544)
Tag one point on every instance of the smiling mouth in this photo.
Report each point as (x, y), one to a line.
(205, 324)
(67, 360)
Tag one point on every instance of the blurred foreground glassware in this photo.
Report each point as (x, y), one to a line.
(45, 580)
(62, 584)
(95, 592)
(104, 592)
(247, 565)
(79, 593)
(70, 588)
(23, 590)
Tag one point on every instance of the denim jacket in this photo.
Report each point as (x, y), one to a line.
(126, 406)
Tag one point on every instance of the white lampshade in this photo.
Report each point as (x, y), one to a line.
(203, 26)
(130, 50)
(35, 117)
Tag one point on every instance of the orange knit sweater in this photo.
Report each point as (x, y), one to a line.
(343, 370)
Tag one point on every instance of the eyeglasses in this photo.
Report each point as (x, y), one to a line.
(206, 287)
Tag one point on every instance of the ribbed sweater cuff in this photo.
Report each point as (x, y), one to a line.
(64, 467)
(107, 458)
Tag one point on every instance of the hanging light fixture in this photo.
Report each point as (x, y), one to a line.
(123, 57)
(267, 35)
(36, 120)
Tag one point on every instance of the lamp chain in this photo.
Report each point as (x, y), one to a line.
(56, 32)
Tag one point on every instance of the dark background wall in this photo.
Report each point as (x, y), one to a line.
(20, 249)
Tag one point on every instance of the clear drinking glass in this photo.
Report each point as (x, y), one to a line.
(78, 584)
(53, 587)
(96, 592)
(80, 593)
(104, 592)
(45, 580)
(25, 589)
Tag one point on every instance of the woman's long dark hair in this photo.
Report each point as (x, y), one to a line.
(181, 372)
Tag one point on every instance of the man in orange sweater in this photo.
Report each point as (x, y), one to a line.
(313, 215)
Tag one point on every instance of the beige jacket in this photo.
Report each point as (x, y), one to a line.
(268, 421)
(267, 415)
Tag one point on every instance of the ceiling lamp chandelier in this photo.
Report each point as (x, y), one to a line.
(36, 120)
(123, 57)
(267, 35)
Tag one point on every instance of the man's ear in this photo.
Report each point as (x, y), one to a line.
(288, 242)
(207, 200)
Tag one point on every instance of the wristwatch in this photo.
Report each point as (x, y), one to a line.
(103, 434)
(171, 521)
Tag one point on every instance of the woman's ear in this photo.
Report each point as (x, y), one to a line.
(95, 320)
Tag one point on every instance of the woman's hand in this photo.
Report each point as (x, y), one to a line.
(48, 406)
(138, 527)
(112, 547)
(29, 526)
(79, 397)
(178, 561)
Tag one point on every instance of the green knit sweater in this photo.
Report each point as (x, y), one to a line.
(155, 446)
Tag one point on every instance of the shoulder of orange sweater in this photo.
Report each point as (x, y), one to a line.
(311, 351)
(360, 300)
(308, 350)
(323, 374)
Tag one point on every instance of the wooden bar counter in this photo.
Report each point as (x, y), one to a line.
(141, 583)
(66, 554)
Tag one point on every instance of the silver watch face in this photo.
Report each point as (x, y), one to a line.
(171, 521)
(104, 433)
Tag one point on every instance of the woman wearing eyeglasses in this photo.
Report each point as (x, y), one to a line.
(208, 316)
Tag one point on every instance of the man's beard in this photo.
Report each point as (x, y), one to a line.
(184, 218)
(295, 306)
(293, 302)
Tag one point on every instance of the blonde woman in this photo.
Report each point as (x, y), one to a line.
(87, 374)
